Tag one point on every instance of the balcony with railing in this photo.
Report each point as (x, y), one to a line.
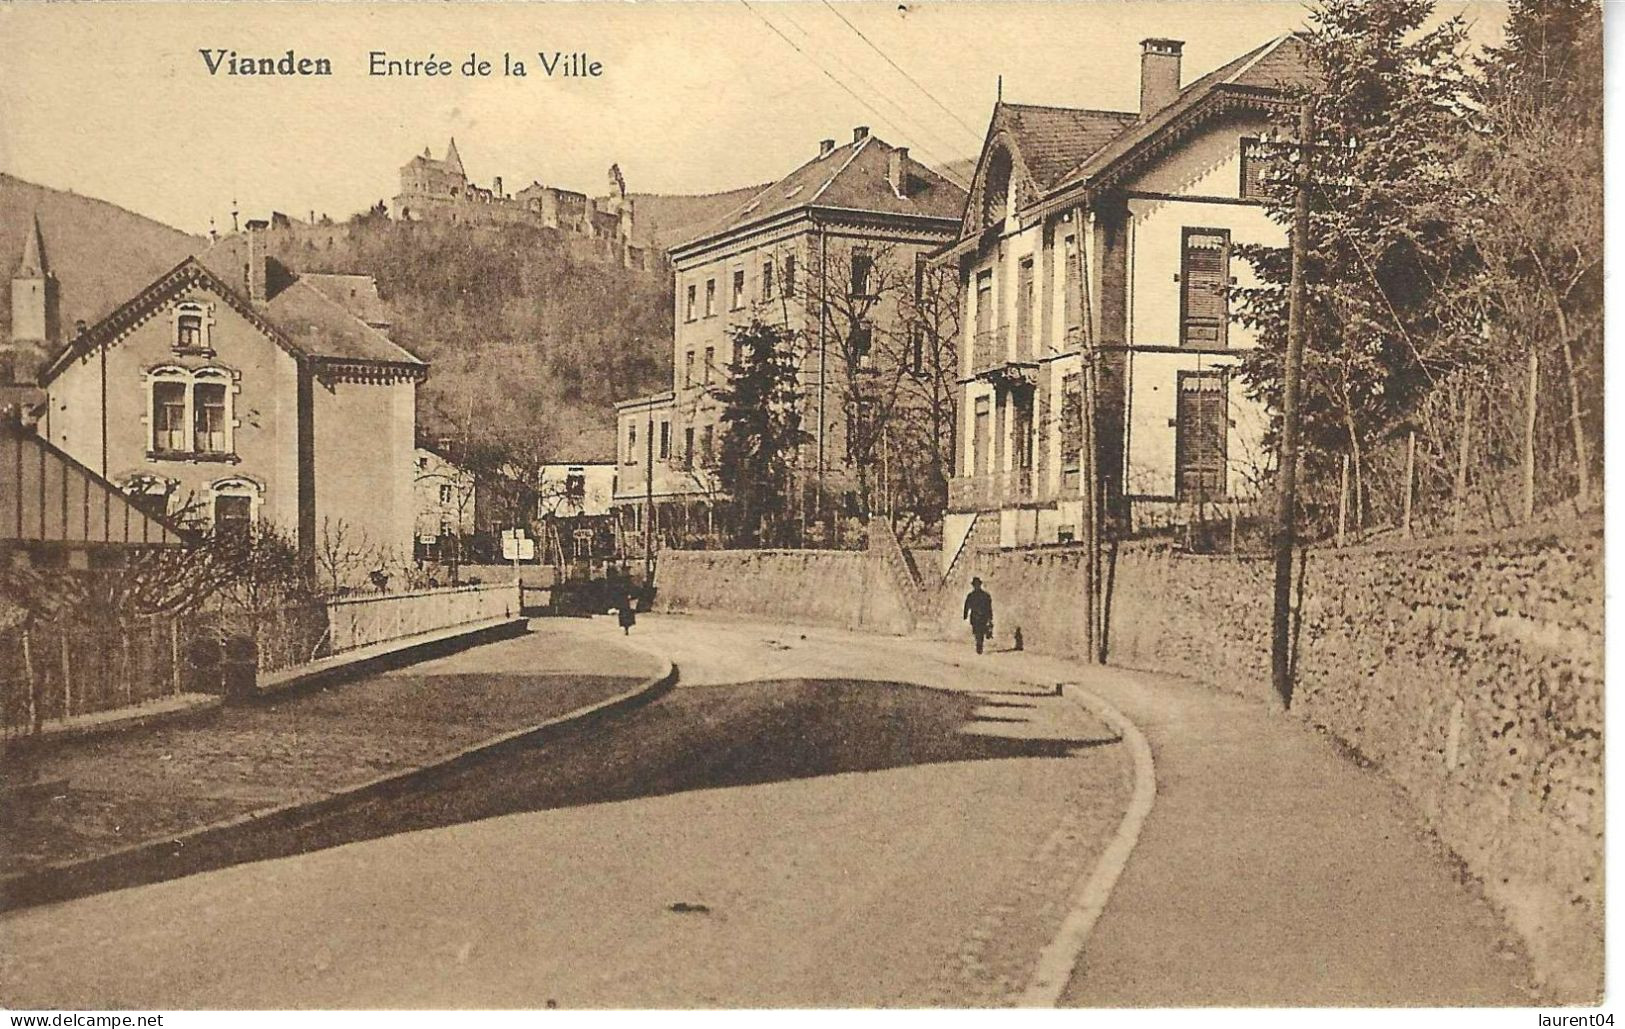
(991, 491)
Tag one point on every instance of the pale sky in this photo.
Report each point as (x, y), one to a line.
(116, 102)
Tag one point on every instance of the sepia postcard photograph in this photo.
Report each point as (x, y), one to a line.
(555, 507)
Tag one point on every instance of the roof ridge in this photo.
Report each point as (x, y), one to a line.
(857, 148)
(299, 280)
(1078, 110)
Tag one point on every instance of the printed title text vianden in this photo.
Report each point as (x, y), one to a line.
(552, 64)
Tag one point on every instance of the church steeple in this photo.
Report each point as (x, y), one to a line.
(36, 316)
(453, 161)
(33, 264)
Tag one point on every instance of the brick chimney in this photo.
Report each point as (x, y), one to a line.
(1159, 74)
(254, 272)
(826, 147)
(897, 170)
(860, 134)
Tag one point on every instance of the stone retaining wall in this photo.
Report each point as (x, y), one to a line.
(1470, 671)
(841, 588)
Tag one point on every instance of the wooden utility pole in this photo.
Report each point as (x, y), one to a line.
(1088, 456)
(1529, 411)
(649, 503)
(1287, 493)
(1410, 476)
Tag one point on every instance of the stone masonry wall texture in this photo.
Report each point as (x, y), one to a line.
(1469, 671)
(839, 588)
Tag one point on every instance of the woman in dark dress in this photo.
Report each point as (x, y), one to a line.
(629, 616)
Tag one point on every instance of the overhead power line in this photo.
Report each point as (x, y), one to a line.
(920, 129)
(915, 82)
(825, 71)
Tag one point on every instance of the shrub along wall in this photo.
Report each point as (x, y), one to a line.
(842, 588)
(1470, 671)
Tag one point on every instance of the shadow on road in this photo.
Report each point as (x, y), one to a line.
(718, 736)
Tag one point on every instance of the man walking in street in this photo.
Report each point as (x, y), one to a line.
(979, 610)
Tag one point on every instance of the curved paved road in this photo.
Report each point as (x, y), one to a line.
(792, 826)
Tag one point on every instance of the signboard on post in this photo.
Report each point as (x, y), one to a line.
(517, 547)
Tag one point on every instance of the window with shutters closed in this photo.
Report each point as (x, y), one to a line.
(1252, 169)
(1071, 432)
(1204, 312)
(1024, 309)
(1202, 435)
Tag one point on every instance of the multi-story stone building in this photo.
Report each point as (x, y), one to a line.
(825, 253)
(439, 190)
(229, 391)
(1116, 230)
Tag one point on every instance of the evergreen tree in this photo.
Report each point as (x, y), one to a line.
(1536, 161)
(762, 430)
(1384, 246)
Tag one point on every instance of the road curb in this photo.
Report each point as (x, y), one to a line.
(1059, 958)
(187, 853)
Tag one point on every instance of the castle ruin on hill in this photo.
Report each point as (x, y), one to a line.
(440, 190)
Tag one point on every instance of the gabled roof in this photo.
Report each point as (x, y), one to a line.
(48, 497)
(1053, 140)
(1057, 149)
(297, 317)
(1275, 67)
(590, 446)
(853, 177)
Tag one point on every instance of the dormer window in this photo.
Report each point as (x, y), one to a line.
(191, 322)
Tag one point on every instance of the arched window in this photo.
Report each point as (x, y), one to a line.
(191, 323)
(234, 505)
(190, 413)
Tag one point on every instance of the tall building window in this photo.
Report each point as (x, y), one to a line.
(1024, 308)
(632, 443)
(1204, 311)
(767, 279)
(688, 448)
(688, 368)
(1201, 435)
(189, 412)
(790, 276)
(863, 268)
(1252, 169)
(1069, 282)
(710, 297)
(445, 493)
(688, 306)
(189, 329)
(710, 359)
(736, 298)
(708, 443)
(665, 440)
(209, 408)
(1071, 431)
(169, 417)
(984, 304)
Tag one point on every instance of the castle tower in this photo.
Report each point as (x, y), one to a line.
(36, 315)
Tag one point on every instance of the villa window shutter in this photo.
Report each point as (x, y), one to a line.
(1203, 435)
(1205, 284)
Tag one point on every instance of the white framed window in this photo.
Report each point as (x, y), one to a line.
(190, 412)
(234, 505)
(191, 322)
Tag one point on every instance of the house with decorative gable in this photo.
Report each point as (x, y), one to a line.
(1114, 232)
(229, 391)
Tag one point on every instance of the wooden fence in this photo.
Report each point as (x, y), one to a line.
(54, 671)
